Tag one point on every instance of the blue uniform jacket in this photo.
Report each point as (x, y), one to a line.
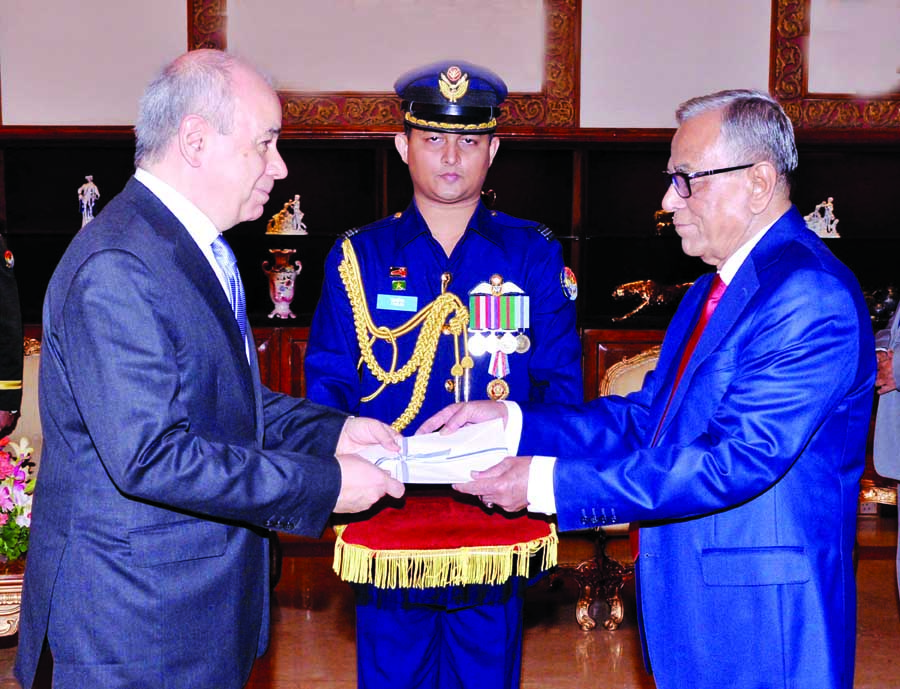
(747, 502)
(520, 251)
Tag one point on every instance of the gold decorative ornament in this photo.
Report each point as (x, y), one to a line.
(431, 319)
(650, 293)
(289, 220)
(416, 121)
(498, 389)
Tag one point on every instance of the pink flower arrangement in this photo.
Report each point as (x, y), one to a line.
(16, 488)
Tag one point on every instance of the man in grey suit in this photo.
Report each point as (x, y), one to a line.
(886, 448)
(165, 460)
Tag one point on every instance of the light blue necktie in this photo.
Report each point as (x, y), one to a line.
(226, 260)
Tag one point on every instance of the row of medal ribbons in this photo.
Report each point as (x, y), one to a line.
(497, 322)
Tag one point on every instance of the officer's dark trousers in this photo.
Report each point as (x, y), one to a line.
(426, 646)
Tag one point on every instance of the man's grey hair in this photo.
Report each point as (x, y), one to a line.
(754, 126)
(198, 83)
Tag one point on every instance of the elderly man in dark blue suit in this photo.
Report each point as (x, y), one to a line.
(740, 457)
(165, 460)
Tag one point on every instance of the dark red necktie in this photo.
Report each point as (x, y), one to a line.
(712, 301)
(717, 289)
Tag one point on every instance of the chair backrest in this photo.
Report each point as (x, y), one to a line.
(628, 374)
(621, 378)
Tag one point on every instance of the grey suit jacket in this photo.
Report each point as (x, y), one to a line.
(165, 461)
(886, 448)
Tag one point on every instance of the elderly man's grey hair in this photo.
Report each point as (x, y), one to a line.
(197, 83)
(754, 126)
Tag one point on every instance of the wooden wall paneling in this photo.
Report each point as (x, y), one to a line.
(281, 351)
(603, 348)
(268, 354)
(293, 355)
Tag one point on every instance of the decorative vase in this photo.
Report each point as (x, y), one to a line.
(281, 281)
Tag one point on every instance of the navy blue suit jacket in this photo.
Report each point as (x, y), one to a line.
(747, 501)
(165, 461)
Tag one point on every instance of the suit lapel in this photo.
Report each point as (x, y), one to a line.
(190, 260)
(730, 309)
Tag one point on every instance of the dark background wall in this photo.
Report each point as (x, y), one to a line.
(597, 192)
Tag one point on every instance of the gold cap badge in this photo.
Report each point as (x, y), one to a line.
(453, 84)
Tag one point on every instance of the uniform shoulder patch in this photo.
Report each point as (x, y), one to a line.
(569, 283)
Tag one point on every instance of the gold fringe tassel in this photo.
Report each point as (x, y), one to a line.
(420, 569)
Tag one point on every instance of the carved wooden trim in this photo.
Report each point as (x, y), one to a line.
(555, 106)
(207, 24)
(788, 80)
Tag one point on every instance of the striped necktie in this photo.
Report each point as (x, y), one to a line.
(226, 260)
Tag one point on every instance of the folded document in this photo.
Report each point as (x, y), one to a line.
(436, 458)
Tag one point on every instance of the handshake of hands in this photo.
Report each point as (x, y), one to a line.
(365, 444)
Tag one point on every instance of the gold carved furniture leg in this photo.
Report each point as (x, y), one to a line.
(598, 576)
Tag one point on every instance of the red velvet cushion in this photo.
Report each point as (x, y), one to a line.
(440, 523)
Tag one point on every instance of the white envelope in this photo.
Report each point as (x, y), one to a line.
(435, 458)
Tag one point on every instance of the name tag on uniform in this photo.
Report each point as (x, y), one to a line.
(396, 302)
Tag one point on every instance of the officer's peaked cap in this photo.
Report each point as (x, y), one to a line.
(451, 96)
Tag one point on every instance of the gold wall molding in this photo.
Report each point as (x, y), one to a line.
(789, 75)
(555, 106)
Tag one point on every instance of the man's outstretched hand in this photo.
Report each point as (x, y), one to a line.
(455, 416)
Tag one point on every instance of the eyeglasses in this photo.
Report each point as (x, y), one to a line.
(682, 180)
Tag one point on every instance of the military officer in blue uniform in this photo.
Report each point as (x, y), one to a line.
(11, 348)
(446, 301)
